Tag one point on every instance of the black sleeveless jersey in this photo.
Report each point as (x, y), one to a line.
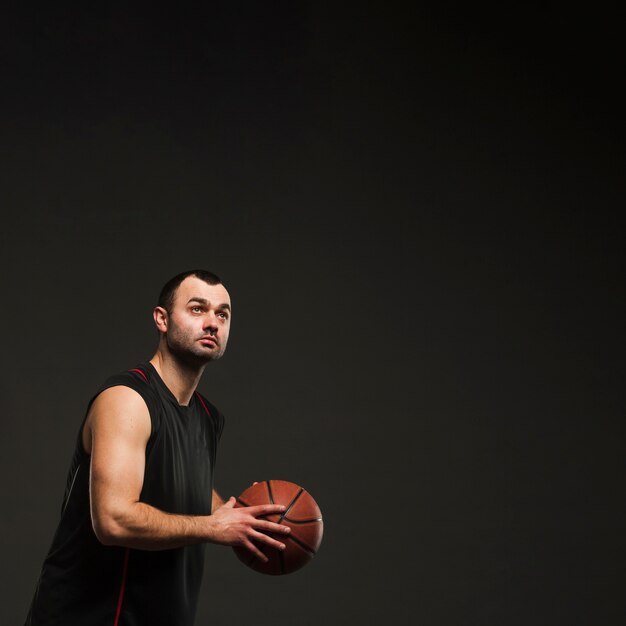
(85, 583)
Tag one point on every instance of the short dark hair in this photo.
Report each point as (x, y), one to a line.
(166, 297)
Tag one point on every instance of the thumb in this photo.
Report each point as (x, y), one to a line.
(230, 503)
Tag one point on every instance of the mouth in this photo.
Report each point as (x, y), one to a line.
(208, 341)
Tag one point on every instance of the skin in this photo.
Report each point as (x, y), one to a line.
(118, 427)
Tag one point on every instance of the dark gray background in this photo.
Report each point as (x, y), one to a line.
(417, 215)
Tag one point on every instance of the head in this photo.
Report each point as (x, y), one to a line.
(193, 317)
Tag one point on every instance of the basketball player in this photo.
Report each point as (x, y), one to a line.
(139, 503)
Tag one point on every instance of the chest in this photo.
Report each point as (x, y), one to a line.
(178, 476)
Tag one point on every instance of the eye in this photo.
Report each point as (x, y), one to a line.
(196, 308)
(223, 315)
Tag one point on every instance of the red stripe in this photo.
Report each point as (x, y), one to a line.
(122, 588)
(204, 405)
(140, 372)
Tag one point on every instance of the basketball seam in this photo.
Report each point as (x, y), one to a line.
(302, 545)
(284, 515)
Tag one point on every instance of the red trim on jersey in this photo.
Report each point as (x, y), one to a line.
(204, 405)
(139, 372)
(122, 588)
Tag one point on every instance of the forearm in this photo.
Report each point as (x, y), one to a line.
(141, 526)
(144, 527)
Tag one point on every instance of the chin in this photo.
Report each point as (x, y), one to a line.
(195, 358)
(209, 356)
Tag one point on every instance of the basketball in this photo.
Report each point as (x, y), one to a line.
(301, 514)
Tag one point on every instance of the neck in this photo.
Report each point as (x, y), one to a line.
(181, 378)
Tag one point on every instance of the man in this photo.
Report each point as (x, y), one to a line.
(139, 502)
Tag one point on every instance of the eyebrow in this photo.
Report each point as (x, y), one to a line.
(205, 301)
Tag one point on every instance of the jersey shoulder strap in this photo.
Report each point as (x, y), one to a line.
(138, 379)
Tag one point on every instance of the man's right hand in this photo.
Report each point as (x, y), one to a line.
(241, 527)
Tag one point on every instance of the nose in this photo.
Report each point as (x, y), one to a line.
(210, 321)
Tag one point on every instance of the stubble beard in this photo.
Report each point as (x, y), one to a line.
(186, 350)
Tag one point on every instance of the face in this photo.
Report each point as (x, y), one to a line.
(197, 327)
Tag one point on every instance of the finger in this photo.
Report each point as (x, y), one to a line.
(265, 509)
(272, 527)
(257, 553)
(267, 540)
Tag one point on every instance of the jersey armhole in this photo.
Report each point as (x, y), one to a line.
(215, 415)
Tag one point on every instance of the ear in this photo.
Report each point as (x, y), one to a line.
(160, 319)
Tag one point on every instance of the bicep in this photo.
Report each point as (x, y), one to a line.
(118, 430)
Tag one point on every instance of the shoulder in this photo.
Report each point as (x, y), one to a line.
(119, 398)
(123, 399)
(136, 379)
(118, 412)
(207, 407)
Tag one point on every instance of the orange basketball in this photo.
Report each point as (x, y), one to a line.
(301, 514)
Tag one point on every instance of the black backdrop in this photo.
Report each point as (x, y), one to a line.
(417, 215)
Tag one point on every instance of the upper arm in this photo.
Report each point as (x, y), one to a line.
(116, 433)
